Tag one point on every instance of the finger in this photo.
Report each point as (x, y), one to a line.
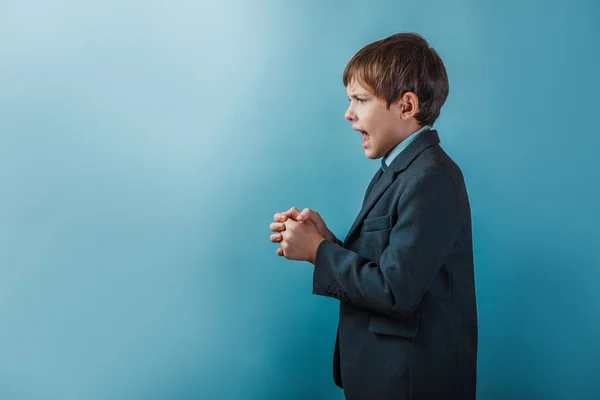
(280, 216)
(305, 214)
(277, 227)
(276, 237)
(280, 252)
(292, 213)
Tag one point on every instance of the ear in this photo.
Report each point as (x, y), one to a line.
(408, 105)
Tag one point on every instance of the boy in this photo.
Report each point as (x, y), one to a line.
(404, 274)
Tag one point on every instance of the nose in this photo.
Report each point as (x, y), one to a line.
(350, 114)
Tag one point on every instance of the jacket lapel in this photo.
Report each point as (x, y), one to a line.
(373, 182)
(400, 163)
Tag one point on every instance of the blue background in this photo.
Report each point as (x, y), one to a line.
(146, 145)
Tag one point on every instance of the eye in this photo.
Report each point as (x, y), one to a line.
(361, 100)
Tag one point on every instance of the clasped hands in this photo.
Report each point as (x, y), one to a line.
(300, 234)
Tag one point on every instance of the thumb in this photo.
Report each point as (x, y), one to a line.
(292, 213)
(305, 214)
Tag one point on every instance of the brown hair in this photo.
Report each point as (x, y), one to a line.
(402, 63)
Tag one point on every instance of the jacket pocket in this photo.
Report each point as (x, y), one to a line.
(406, 328)
(377, 223)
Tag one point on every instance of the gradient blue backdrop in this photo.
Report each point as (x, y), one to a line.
(146, 145)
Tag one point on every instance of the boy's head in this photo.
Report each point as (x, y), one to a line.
(396, 86)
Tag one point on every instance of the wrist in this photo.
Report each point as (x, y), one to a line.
(330, 236)
(316, 249)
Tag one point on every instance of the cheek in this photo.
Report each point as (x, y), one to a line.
(367, 121)
(373, 125)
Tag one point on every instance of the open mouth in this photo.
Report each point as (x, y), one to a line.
(366, 138)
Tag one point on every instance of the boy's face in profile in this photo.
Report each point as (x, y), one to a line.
(382, 129)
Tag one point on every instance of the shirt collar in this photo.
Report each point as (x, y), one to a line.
(387, 160)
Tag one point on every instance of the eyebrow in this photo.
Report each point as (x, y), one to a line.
(354, 96)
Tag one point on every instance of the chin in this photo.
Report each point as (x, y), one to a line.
(372, 154)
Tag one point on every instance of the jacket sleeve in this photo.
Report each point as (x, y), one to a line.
(420, 241)
(338, 242)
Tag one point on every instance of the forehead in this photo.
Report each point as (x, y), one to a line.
(356, 88)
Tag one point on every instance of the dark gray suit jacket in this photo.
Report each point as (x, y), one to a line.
(404, 277)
